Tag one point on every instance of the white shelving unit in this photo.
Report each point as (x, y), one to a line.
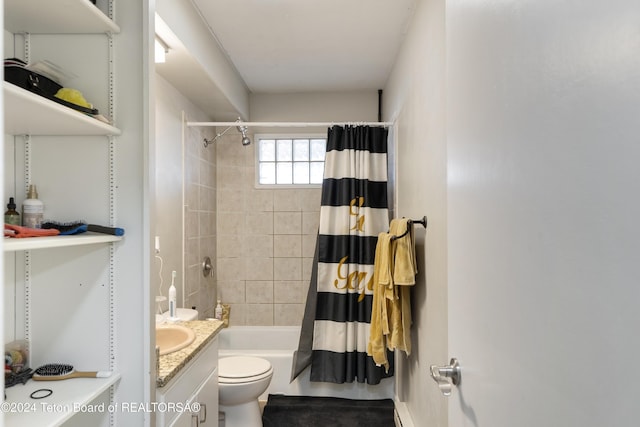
(67, 399)
(32, 114)
(26, 113)
(56, 17)
(51, 242)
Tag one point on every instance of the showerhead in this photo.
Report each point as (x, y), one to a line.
(245, 139)
(242, 129)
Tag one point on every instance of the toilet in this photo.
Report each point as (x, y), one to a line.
(241, 380)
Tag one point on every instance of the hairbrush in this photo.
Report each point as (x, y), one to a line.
(62, 371)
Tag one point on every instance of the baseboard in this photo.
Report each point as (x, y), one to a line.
(401, 415)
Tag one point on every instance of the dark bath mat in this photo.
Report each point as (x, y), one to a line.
(304, 411)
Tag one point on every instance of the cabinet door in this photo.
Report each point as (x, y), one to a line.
(208, 399)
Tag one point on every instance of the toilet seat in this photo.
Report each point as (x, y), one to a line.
(243, 369)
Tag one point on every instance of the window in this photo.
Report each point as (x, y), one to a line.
(286, 160)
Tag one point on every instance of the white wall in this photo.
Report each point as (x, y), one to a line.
(313, 107)
(415, 96)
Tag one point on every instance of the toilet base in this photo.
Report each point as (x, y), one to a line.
(244, 415)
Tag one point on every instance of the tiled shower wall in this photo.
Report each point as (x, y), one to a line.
(200, 220)
(265, 240)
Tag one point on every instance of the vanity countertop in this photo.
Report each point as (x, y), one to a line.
(170, 364)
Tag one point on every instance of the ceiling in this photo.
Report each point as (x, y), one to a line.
(285, 46)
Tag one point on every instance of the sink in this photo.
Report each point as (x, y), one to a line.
(172, 338)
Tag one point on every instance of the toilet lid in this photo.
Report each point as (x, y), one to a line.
(242, 367)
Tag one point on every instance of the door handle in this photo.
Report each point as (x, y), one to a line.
(447, 376)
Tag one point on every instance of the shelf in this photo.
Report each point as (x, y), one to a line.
(26, 113)
(57, 408)
(56, 17)
(31, 243)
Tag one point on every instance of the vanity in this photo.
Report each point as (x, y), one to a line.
(187, 379)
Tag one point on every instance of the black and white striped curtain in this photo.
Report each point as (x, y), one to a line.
(353, 212)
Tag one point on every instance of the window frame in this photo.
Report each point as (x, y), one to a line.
(257, 137)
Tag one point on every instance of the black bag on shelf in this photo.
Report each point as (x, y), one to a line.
(16, 73)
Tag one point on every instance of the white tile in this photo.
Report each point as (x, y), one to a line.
(206, 224)
(287, 246)
(259, 292)
(231, 291)
(192, 172)
(249, 179)
(207, 249)
(231, 201)
(259, 314)
(287, 269)
(287, 223)
(259, 200)
(206, 177)
(213, 202)
(310, 200)
(289, 292)
(230, 150)
(288, 314)
(286, 200)
(230, 223)
(230, 177)
(257, 246)
(258, 223)
(230, 246)
(310, 222)
(193, 251)
(237, 316)
(192, 224)
(230, 269)
(193, 197)
(258, 268)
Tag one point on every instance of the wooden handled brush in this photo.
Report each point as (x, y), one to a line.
(61, 371)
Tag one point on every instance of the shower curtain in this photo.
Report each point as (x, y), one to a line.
(354, 210)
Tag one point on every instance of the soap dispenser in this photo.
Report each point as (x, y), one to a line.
(11, 216)
(218, 311)
(32, 209)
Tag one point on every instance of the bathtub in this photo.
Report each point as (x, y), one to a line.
(277, 344)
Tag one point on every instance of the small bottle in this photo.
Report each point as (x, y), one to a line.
(11, 216)
(32, 209)
(218, 311)
(172, 296)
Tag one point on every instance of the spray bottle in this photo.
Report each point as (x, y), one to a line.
(172, 296)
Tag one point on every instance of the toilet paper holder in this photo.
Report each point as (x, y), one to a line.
(447, 376)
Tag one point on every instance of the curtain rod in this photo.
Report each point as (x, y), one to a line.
(288, 124)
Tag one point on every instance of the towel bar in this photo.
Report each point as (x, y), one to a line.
(422, 221)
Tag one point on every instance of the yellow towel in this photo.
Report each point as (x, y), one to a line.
(404, 268)
(395, 267)
(399, 299)
(379, 328)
